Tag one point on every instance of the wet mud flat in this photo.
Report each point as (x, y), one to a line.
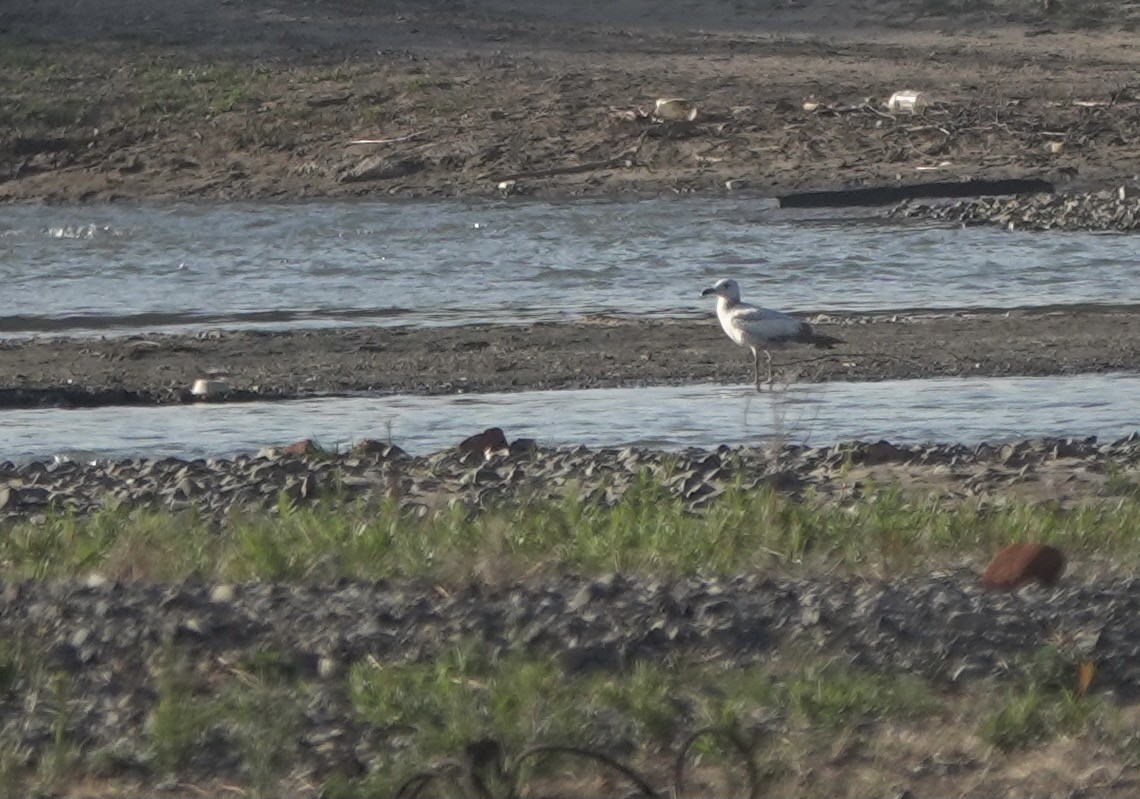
(594, 352)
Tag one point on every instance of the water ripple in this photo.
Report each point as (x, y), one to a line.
(902, 411)
(456, 262)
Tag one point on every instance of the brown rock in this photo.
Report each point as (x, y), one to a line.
(1019, 563)
(306, 447)
(371, 446)
(492, 439)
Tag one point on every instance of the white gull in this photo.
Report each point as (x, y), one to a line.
(761, 329)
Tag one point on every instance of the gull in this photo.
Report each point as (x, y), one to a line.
(761, 329)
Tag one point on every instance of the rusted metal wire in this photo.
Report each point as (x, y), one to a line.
(735, 739)
(485, 772)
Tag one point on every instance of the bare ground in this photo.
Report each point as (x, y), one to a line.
(595, 352)
(217, 99)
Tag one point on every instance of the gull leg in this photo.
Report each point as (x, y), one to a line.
(756, 368)
(768, 355)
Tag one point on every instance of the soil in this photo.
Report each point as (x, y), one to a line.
(594, 352)
(220, 99)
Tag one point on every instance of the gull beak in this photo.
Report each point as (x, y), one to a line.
(707, 292)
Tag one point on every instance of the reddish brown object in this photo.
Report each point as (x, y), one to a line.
(1017, 564)
(492, 438)
(305, 447)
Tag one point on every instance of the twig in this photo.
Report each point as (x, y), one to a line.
(543, 749)
(887, 356)
(588, 166)
(413, 785)
(389, 141)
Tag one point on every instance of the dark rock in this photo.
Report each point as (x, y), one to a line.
(492, 439)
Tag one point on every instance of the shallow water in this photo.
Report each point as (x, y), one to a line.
(945, 410)
(135, 267)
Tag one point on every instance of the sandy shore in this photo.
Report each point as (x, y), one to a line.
(211, 100)
(594, 352)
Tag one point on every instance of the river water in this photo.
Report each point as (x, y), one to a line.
(902, 411)
(127, 268)
(130, 268)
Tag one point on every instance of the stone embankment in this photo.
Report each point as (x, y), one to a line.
(375, 471)
(1112, 210)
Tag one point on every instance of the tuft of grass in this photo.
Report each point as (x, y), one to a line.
(1042, 706)
(646, 531)
(836, 698)
(182, 717)
(1030, 716)
(62, 753)
(267, 747)
(433, 709)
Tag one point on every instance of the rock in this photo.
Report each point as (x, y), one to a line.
(379, 167)
(370, 446)
(223, 593)
(492, 439)
(881, 452)
(208, 389)
(1023, 562)
(301, 448)
(523, 446)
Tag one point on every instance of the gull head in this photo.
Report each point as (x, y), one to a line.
(726, 287)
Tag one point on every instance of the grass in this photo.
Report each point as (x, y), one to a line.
(1043, 703)
(435, 708)
(1030, 716)
(180, 721)
(794, 713)
(647, 531)
(46, 91)
(148, 90)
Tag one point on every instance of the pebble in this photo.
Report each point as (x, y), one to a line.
(942, 626)
(1115, 209)
(488, 473)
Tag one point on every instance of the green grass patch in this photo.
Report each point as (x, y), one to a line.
(434, 709)
(647, 531)
(1043, 704)
(1030, 716)
(256, 712)
(182, 717)
(44, 89)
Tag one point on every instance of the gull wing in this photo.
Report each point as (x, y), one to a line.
(765, 323)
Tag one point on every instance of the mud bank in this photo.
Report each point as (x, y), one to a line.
(591, 353)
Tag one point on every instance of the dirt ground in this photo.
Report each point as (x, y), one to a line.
(597, 352)
(232, 99)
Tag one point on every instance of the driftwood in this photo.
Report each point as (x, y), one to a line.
(571, 169)
(389, 141)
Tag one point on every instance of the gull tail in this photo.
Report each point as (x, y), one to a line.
(809, 336)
